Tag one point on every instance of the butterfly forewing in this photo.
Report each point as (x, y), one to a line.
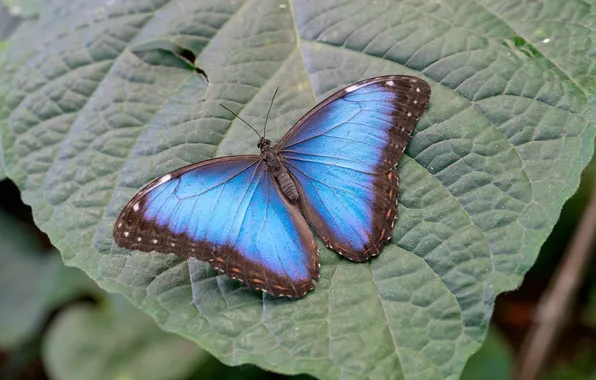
(227, 211)
(343, 155)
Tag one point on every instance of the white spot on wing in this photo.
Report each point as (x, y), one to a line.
(136, 207)
(417, 89)
(125, 233)
(139, 238)
(119, 224)
(352, 88)
(154, 241)
(390, 83)
(163, 179)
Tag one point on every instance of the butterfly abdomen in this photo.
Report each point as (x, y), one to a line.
(288, 187)
(279, 171)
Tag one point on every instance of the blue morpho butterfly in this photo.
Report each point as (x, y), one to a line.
(249, 215)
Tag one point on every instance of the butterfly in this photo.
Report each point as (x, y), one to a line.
(249, 215)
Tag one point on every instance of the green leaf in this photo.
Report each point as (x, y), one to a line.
(24, 8)
(92, 116)
(7, 24)
(115, 341)
(494, 360)
(11, 57)
(31, 285)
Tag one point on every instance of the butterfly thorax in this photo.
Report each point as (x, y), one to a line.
(271, 157)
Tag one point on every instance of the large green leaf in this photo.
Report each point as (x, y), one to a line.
(23, 8)
(2, 111)
(7, 25)
(115, 341)
(93, 114)
(493, 361)
(31, 284)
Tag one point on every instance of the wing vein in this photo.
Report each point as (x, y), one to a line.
(339, 138)
(261, 231)
(346, 206)
(283, 266)
(330, 164)
(324, 132)
(248, 205)
(220, 183)
(356, 196)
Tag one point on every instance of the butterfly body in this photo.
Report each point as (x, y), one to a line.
(273, 160)
(249, 216)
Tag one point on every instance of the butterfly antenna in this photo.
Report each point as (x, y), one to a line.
(267, 118)
(245, 122)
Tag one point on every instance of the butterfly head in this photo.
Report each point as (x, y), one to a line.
(263, 143)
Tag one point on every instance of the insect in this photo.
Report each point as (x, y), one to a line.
(249, 215)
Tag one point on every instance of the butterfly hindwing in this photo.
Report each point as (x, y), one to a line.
(227, 211)
(343, 155)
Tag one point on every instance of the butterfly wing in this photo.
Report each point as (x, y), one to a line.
(227, 211)
(343, 155)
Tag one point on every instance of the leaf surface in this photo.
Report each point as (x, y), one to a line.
(92, 114)
(493, 361)
(115, 341)
(23, 8)
(31, 284)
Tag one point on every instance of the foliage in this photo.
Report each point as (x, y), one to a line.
(110, 339)
(115, 341)
(494, 360)
(24, 8)
(88, 115)
(32, 285)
